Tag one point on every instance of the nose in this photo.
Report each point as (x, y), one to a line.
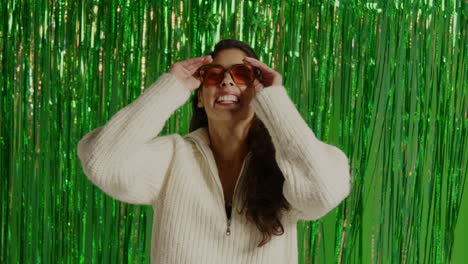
(227, 80)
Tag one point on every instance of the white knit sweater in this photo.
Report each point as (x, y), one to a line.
(177, 175)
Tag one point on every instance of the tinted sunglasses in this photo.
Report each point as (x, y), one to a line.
(240, 73)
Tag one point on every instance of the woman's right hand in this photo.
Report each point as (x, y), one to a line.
(184, 70)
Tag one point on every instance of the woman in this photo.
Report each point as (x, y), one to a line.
(248, 149)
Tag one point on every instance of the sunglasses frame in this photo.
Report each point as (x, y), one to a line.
(256, 71)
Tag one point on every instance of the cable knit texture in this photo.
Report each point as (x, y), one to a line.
(177, 175)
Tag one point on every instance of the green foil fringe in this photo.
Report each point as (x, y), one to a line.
(386, 81)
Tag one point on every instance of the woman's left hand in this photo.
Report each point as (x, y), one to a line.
(269, 76)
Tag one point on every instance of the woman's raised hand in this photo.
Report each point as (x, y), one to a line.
(184, 70)
(269, 76)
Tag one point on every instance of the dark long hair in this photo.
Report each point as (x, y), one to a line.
(262, 189)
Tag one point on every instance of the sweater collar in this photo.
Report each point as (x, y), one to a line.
(201, 136)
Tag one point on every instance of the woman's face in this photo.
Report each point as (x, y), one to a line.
(227, 111)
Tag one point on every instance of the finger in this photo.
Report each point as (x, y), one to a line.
(193, 64)
(254, 83)
(257, 63)
(206, 60)
(192, 61)
(258, 87)
(265, 70)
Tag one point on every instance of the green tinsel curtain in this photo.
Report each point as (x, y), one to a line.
(386, 81)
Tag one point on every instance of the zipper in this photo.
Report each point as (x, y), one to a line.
(228, 228)
(229, 215)
(220, 187)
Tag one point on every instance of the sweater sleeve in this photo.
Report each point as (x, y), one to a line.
(126, 158)
(317, 176)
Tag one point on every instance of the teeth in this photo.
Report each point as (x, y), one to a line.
(232, 98)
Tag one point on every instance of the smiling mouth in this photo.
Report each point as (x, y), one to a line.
(227, 103)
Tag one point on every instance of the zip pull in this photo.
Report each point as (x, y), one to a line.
(228, 229)
(228, 214)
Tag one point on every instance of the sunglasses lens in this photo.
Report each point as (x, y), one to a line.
(213, 75)
(242, 74)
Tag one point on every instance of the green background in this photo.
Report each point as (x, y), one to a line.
(386, 81)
